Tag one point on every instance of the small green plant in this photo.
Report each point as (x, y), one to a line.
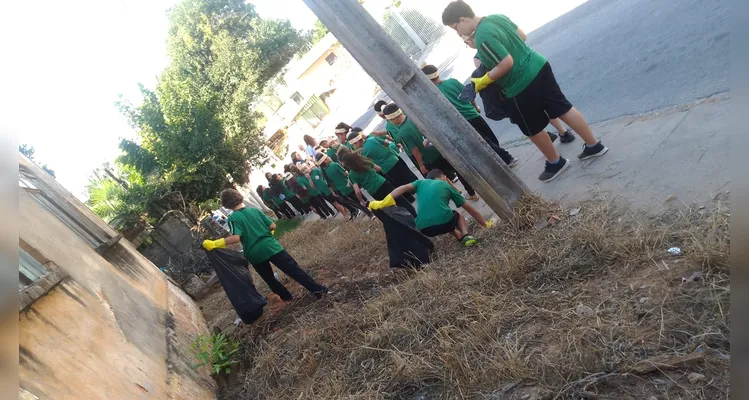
(217, 351)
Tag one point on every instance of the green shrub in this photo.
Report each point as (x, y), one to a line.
(217, 351)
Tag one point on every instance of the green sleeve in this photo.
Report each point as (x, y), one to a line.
(455, 196)
(417, 184)
(266, 219)
(508, 21)
(234, 228)
(455, 88)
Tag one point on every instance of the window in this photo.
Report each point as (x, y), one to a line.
(297, 98)
(331, 58)
(29, 269)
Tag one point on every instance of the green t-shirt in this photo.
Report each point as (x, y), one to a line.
(411, 137)
(433, 202)
(332, 153)
(320, 183)
(392, 130)
(391, 146)
(379, 153)
(451, 88)
(496, 37)
(286, 191)
(252, 226)
(313, 191)
(370, 180)
(338, 179)
(270, 197)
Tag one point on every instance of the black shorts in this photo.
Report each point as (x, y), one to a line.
(448, 227)
(538, 103)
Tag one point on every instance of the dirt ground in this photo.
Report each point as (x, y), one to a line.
(592, 306)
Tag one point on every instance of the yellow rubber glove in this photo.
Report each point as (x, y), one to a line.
(483, 82)
(388, 201)
(214, 244)
(490, 223)
(273, 232)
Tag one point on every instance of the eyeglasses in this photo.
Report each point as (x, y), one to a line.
(468, 38)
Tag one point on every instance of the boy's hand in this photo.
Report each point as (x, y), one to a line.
(483, 82)
(424, 170)
(388, 201)
(214, 244)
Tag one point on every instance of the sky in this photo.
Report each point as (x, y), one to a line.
(64, 68)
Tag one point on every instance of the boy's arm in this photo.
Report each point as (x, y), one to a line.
(521, 34)
(358, 193)
(474, 213)
(376, 167)
(476, 106)
(400, 190)
(232, 239)
(379, 133)
(419, 160)
(502, 68)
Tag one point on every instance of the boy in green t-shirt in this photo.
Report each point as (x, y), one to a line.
(254, 230)
(451, 88)
(427, 156)
(364, 175)
(435, 215)
(533, 95)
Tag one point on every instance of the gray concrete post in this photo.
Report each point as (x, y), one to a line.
(421, 101)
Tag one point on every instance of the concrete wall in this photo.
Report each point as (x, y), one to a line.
(114, 327)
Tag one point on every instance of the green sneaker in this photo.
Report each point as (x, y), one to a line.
(468, 241)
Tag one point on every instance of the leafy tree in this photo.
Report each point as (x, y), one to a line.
(29, 151)
(196, 127)
(318, 32)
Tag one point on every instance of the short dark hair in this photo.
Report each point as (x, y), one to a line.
(435, 174)
(378, 106)
(455, 11)
(343, 125)
(231, 198)
(352, 135)
(319, 156)
(429, 69)
(390, 108)
(357, 129)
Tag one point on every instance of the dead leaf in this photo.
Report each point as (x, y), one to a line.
(574, 211)
(666, 362)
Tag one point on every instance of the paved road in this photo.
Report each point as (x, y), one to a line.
(622, 57)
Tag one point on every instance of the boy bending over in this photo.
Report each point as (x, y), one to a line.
(434, 216)
(255, 231)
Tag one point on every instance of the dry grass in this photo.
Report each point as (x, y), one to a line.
(500, 321)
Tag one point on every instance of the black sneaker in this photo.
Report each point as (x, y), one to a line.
(567, 137)
(552, 136)
(596, 151)
(551, 171)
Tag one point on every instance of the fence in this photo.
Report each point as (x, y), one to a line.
(411, 29)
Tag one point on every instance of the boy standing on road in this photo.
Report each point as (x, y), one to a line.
(434, 216)
(255, 231)
(533, 95)
(451, 88)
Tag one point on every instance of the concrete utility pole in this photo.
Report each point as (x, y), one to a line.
(421, 101)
